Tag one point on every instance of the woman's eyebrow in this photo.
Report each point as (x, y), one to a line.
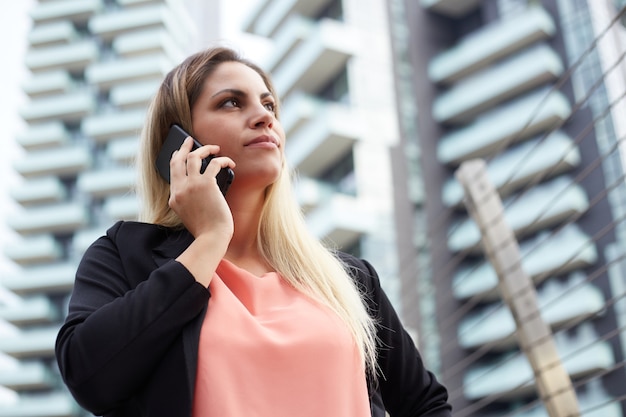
(233, 91)
(238, 93)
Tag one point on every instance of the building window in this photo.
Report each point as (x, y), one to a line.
(336, 89)
(341, 175)
(333, 10)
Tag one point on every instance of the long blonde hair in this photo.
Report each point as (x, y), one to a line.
(283, 238)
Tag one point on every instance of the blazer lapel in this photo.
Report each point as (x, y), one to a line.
(171, 248)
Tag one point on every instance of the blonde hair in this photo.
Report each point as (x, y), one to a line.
(283, 238)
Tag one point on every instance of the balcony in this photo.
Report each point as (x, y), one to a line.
(106, 182)
(61, 162)
(105, 127)
(502, 127)
(30, 311)
(269, 16)
(39, 191)
(122, 207)
(133, 95)
(76, 11)
(52, 279)
(451, 8)
(484, 90)
(73, 57)
(539, 157)
(547, 254)
(59, 218)
(340, 220)
(48, 83)
(491, 43)
(43, 405)
(28, 376)
(33, 250)
(298, 110)
(323, 140)
(292, 34)
(312, 194)
(560, 303)
(84, 238)
(45, 135)
(128, 70)
(513, 377)
(134, 3)
(544, 206)
(123, 150)
(111, 25)
(57, 33)
(37, 343)
(148, 42)
(70, 107)
(317, 59)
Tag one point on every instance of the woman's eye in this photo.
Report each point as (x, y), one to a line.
(231, 102)
(270, 106)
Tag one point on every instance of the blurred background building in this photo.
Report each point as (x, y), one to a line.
(93, 67)
(534, 88)
(382, 101)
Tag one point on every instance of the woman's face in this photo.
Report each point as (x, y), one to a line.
(236, 111)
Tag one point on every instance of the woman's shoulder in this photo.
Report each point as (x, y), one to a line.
(361, 271)
(125, 233)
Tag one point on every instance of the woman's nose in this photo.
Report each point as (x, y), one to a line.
(262, 117)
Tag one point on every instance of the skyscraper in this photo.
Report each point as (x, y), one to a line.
(94, 65)
(331, 64)
(523, 86)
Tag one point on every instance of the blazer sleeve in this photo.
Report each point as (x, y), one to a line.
(406, 387)
(121, 321)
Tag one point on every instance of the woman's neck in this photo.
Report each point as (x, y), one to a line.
(246, 210)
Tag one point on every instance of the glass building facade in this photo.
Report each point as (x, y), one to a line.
(521, 85)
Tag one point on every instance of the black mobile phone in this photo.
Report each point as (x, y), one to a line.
(173, 142)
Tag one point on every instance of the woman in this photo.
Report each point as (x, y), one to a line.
(226, 306)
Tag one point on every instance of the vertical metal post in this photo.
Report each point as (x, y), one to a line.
(518, 291)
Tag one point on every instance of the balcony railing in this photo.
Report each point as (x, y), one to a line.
(491, 43)
(62, 32)
(44, 135)
(110, 126)
(514, 122)
(575, 250)
(544, 206)
(534, 67)
(315, 61)
(48, 83)
(73, 57)
(39, 191)
(269, 16)
(66, 217)
(511, 170)
(33, 250)
(61, 162)
(67, 107)
(77, 11)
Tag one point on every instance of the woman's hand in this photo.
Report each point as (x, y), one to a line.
(196, 197)
(198, 201)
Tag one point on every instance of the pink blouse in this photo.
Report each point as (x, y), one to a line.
(268, 350)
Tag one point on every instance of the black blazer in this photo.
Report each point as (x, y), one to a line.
(129, 345)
